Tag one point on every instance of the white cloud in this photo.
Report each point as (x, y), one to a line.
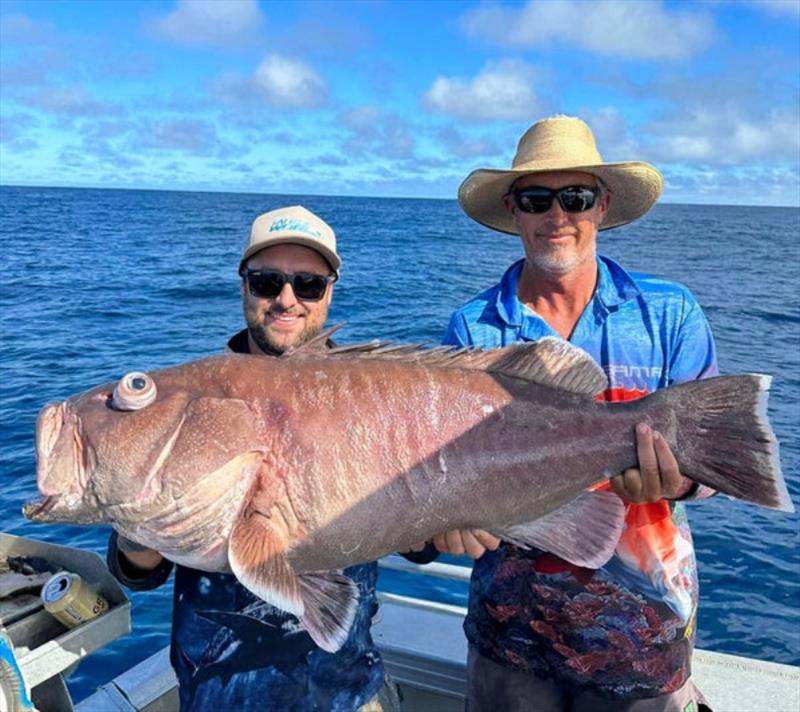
(726, 137)
(636, 29)
(278, 81)
(216, 23)
(290, 83)
(742, 185)
(503, 90)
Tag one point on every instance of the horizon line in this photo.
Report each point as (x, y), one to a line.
(334, 195)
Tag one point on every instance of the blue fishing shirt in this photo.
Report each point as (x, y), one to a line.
(626, 630)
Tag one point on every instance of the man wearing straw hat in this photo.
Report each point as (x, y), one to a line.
(545, 634)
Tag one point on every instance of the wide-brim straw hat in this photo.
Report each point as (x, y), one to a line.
(561, 143)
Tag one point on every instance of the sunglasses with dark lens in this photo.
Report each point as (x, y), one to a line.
(571, 198)
(268, 283)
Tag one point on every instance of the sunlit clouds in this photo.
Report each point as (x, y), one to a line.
(502, 90)
(632, 30)
(395, 98)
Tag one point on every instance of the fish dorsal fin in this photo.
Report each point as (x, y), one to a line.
(552, 362)
(314, 345)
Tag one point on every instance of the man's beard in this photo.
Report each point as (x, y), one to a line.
(264, 342)
(554, 261)
(268, 342)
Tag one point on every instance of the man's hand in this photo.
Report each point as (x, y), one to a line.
(657, 476)
(472, 542)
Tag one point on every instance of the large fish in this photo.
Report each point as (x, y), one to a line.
(286, 470)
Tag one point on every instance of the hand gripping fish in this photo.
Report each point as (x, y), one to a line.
(286, 470)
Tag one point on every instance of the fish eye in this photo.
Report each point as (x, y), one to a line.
(135, 390)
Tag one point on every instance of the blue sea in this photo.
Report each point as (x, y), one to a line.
(96, 283)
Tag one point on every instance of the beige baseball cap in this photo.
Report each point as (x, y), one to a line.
(293, 225)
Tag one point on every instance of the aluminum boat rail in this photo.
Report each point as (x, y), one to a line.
(424, 649)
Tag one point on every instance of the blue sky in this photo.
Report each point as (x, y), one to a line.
(395, 98)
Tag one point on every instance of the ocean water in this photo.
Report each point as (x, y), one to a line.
(96, 283)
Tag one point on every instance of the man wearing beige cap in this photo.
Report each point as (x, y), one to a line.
(231, 650)
(287, 271)
(546, 634)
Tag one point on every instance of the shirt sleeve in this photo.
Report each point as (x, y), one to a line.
(428, 554)
(694, 355)
(457, 333)
(129, 575)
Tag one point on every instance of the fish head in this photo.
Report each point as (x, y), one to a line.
(128, 451)
(96, 449)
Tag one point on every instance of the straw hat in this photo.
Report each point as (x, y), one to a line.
(293, 225)
(561, 143)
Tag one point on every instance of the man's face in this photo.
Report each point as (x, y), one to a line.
(556, 241)
(285, 321)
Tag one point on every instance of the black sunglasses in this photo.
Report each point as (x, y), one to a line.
(571, 198)
(268, 283)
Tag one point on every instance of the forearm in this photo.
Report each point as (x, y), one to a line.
(136, 567)
(142, 559)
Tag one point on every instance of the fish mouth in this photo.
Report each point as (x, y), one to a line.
(62, 460)
(37, 510)
(57, 508)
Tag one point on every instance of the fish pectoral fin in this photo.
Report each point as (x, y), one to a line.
(324, 601)
(330, 600)
(584, 532)
(257, 556)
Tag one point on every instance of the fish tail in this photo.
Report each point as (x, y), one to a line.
(725, 439)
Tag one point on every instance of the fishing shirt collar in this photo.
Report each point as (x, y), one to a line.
(614, 287)
(237, 344)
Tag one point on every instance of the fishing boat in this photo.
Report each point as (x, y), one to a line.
(427, 659)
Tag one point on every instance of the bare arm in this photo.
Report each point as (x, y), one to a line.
(140, 556)
(135, 566)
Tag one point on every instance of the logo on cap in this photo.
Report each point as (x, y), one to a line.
(294, 224)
